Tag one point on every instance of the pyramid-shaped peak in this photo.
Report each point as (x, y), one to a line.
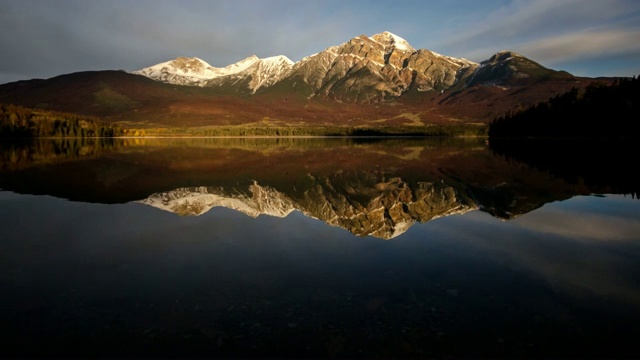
(388, 39)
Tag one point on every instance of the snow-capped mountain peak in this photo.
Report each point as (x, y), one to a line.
(268, 71)
(197, 72)
(190, 65)
(365, 69)
(192, 71)
(389, 39)
(255, 73)
(280, 59)
(183, 71)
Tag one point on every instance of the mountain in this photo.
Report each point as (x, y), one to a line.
(364, 69)
(376, 68)
(189, 71)
(378, 80)
(509, 68)
(196, 72)
(261, 72)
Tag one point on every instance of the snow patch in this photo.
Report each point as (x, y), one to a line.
(197, 72)
(458, 61)
(387, 38)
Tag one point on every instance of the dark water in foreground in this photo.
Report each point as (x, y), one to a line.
(312, 248)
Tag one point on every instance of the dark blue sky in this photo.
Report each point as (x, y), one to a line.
(45, 38)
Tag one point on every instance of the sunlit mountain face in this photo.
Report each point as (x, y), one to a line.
(377, 80)
(364, 69)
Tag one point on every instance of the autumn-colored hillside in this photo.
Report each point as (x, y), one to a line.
(136, 102)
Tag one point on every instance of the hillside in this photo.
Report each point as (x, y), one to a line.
(367, 82)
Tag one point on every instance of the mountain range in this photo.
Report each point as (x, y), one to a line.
(379, 79)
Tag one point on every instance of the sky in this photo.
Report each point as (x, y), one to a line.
(46, 38)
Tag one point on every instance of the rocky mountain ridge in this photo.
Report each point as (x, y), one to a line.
(377, 81)
(373, 68)
(261, 73)
(197, 72)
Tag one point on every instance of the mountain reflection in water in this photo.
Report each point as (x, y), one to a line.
(499, 279)
(367, 186)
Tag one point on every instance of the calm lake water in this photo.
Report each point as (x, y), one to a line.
(317, 248)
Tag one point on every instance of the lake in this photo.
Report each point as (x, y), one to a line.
(318, 247)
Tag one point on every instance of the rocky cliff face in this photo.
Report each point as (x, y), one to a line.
(376, 68)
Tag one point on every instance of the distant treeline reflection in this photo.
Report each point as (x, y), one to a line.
(17, 154)
(22, 153)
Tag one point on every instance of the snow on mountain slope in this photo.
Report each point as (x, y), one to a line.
(388, 39)
(261, 72)
(239, 66)
(181, 71)
(197, 72)
(372, 68)
(268, 71)
(192, 71)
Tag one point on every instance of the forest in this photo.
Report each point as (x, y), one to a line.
(20, 122)
(463, 130)
(600, 111)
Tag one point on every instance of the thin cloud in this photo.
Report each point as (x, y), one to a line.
(591, 43)
(49, 38)
(522, 22)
